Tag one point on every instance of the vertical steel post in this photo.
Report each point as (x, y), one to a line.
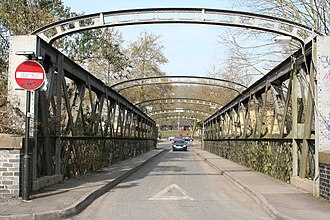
(294, 104)
(26, 158)
(59, 80)
(308, 121)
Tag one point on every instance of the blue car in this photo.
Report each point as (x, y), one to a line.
(179, 145)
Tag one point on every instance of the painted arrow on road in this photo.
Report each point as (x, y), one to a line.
(162, 194)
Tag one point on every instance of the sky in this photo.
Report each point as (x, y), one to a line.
(190, 49)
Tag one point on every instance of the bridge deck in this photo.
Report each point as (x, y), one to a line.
(279, 198)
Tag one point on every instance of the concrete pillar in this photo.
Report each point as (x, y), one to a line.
(19, 44)
(322, 113)
(323, 91)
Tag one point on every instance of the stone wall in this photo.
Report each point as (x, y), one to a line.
(10, 152)
(324, 159)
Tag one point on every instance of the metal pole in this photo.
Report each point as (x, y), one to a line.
(26, 158)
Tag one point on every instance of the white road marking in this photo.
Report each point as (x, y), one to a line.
(160, 195)
(29, 75)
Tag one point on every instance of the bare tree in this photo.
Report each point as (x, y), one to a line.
(313, 13)
(254, 52)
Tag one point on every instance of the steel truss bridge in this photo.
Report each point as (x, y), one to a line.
(277, 126)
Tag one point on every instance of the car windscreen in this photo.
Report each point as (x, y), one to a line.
(179, 142)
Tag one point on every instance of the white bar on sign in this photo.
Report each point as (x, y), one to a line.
(29, 75)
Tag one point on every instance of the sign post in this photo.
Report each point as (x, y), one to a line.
(29, 75)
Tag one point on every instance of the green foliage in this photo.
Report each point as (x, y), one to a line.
(271, 158)
(23, 17)
(82, 156)
(146, 56)
(3, 87)
(100, 51)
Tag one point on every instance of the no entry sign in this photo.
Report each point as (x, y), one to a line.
(30, 75)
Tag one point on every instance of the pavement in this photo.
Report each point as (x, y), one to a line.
(69, 198)
(279, 199)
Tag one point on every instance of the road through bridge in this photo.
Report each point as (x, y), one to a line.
(278, 126)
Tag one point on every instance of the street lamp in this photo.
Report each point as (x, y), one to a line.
(283, 39)
(179, 110)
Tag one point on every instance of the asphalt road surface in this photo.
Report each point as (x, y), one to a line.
(175, 185)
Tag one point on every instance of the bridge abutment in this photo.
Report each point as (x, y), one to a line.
(322, 114)
(10, 154)
(324, 158)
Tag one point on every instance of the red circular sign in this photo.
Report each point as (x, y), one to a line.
(30, 75)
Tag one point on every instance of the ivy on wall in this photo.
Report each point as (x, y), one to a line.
(271, 158)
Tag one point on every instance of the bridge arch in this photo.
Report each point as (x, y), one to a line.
(181, 117)
(197, 80)
(219, 17)
(204, 102)
(185, 111)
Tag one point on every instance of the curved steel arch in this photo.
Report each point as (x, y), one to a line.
(266, 23)
(186, 117)
(177, 117)
(168, 111)
(199, 80)
(178, 100)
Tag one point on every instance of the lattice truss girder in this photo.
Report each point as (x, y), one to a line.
(266, 108)
(77, 105)
(278, 106)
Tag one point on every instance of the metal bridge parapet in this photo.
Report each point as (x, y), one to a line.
(271, 119)
(80, 124)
